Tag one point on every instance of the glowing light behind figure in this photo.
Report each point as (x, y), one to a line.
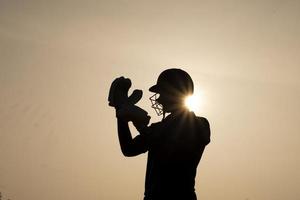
(194, 102)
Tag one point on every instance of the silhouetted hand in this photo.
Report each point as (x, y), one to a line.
(125, 108)
(118, 93)
(137, 115)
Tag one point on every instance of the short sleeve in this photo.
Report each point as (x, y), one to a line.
(205, 130)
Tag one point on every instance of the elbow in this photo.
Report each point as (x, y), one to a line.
(127, 153)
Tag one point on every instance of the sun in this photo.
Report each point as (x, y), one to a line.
(193, 102)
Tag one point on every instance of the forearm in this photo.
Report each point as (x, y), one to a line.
(130, 146)
(124, 135)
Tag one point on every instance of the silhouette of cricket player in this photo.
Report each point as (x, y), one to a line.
(175, 145)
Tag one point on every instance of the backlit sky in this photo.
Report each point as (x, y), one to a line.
(58, 135)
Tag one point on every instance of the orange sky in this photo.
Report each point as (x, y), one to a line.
(58, 136)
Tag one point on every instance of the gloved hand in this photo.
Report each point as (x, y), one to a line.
(137, 115)
(118, 98)
(118, 93)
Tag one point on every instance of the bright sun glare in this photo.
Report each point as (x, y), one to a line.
(193, 102)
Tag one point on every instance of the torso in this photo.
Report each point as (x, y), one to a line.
(175, 149)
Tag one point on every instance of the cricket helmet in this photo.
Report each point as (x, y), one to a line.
(175, 82)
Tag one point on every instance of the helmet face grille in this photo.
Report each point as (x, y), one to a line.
(154, 104)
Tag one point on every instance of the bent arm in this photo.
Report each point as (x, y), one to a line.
(130, 146)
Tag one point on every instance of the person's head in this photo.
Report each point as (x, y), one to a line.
(173, 86)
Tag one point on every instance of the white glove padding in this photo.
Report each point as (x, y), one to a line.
(118, 93)
(135, 114)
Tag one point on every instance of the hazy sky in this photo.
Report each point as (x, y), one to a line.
(58, 136)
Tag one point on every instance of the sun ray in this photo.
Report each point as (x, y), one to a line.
(193, 102)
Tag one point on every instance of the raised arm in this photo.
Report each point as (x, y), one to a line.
(126, 110)
(130, 146)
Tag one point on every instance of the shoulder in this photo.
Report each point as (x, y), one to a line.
(204, 126)
(202, 121)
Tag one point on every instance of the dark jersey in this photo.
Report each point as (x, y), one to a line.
(175, 146)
